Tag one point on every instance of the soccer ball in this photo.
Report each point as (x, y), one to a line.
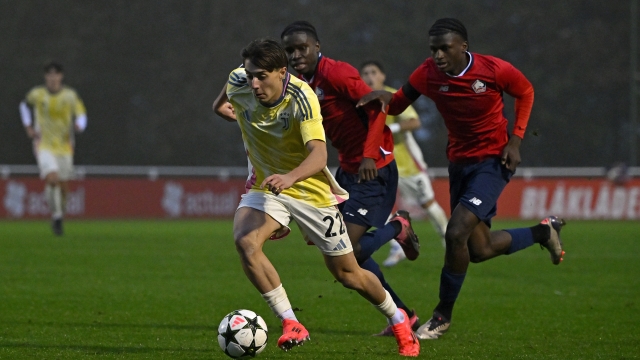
(242, 333)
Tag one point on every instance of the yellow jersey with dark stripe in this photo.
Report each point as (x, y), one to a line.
(408, 154)
(54, 116)
(275, 136)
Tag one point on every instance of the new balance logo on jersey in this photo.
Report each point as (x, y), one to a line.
(320, 93)
(479, 87)
(340, 246)
(444, 88)
(362, 211)
(475, 201)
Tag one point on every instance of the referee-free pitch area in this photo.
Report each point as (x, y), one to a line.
(158, 289)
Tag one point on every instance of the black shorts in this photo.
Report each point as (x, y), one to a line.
(478, 186)
(370, 202)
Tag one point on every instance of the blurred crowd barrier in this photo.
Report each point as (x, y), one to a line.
(573, 193)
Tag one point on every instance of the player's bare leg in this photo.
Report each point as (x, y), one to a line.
(53, 193)
(64, 191)
(437, 217)
(346, 270)
(470, 240)
(355, 232)
(367, 263)
(251, 229)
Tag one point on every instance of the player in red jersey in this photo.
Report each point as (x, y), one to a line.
(467, 89)
(365, 146)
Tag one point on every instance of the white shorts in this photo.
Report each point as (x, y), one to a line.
(61, 164)
(323, 227)
(417, 187)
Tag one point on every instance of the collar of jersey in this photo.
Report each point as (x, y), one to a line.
(465, 69)
(285, 83)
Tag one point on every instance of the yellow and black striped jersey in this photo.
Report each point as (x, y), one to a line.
(275, 137)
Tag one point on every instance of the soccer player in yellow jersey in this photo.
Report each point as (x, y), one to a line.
(279, 116)
(414, 181)
(51, 114)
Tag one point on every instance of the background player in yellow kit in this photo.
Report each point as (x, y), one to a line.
(414, 181)
(279, 116)
(51, 114)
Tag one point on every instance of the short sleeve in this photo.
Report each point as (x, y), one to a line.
(308, 113)
(31, 97)
(348, 83)
(237, 80)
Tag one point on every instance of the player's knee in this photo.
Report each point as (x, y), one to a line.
(428, 203)
(245, 243)
(52, 178)
(476, 256)
(455, 236)
(348, 279)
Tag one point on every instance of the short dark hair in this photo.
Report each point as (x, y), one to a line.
(53, 65)
(374, 63)
(266, 54)
(300, 26)
(447, 25)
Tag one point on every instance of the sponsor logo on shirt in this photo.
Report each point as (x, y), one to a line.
(479, 86)
(475, 201)
(444, 88)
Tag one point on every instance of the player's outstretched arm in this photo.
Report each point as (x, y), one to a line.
(223, 107)
(313, 164)
(384, 97)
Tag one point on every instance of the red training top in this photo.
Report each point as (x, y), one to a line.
(355, 132)
(471, 104)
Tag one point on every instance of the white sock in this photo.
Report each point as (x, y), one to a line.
(57, 203)
(389, 309)
(48, 193)
(394, 245)
(438, 218)
(279, 303)
(397, 318)
(54, 200)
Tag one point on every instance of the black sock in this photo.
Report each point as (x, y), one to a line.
(541, 233)
(397, 226)
(445, 309)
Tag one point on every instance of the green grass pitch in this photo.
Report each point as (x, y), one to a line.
(157, 290)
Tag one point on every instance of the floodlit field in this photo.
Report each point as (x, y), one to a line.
(157, 290)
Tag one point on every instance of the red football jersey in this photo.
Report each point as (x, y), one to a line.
(472, 105)
(355, 132)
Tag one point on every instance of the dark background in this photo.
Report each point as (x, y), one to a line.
(148, 71)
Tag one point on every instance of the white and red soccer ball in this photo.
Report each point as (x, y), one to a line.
(242, 333)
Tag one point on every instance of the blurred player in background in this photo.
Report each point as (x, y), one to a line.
(51, 114)
(279, 116)
(414, 181)
(367, 169)
(467, 89)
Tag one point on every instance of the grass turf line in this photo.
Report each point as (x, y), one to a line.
(157, 290)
